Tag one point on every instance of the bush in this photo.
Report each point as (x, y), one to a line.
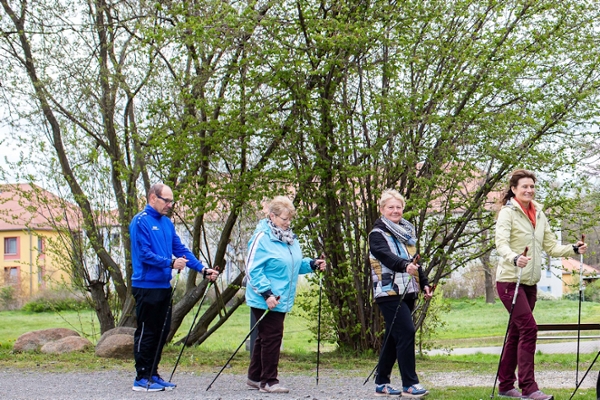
(591, 292)
(545, 296)
(307, 307)
(8, 298)
(433, 322)
(55, 301)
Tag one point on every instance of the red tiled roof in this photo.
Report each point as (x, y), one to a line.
(25, 206)
(572, 265)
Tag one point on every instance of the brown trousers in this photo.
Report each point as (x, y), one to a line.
(265, 355)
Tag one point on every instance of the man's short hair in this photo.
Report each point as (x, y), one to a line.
(156, 189)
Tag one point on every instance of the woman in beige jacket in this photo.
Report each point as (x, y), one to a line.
(522, 223)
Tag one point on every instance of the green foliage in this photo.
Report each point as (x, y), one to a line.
(232, 103)
(8, 298)
(429, 329)
(50, 301)
(591, 292)
(307, 307)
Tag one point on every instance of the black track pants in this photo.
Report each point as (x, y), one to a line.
(151, 306)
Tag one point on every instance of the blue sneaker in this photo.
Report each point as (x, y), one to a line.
(414, 391)
(167, 385)
(146, 385)
(386, 390)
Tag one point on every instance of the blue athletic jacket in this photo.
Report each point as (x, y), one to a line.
(273, 265)
(153, 244)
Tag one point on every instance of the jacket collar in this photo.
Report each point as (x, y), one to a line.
(152, 212)
(515, 206)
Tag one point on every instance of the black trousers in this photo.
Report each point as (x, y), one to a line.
(400, 345)
(151, 307)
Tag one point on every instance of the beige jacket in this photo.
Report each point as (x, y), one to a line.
(514, 232)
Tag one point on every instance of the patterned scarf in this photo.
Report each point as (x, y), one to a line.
(404, 231)
(286, 236)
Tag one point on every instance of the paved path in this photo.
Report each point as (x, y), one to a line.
(116, 385)
(16, 384)
(585, 346)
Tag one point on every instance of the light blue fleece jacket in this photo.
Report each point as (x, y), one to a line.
(153, 245)
(273, 265)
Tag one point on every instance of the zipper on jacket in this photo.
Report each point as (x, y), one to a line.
(532, 242)
(411, 280)
(291, 279)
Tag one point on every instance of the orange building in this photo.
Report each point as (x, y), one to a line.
(30, 220)
(571, 272)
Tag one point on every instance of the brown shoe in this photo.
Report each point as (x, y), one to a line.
(539, 395)
(512, 393)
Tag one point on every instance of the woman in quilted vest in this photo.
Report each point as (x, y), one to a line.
(397, 281)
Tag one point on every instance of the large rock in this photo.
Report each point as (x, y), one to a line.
(34, 340)
(119, 330)
(66, 345)
(116, 346)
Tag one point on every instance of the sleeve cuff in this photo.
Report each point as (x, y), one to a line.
(267, 294)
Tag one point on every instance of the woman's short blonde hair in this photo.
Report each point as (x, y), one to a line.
(390, 194)
(280, 203)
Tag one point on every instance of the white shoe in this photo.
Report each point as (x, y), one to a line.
(252, 385)
(276, 388)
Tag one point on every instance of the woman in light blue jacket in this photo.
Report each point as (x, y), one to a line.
(272, 267)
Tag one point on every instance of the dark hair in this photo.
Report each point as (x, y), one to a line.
(513, 181)
(157, 189)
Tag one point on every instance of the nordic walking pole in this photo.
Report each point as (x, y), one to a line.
(584, 375)
(319, 319)
(414, 260)
(512, 307)
(579, 313)
(191, 327)
(241, 344)
(167, 316)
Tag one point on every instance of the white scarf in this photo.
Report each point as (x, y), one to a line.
(286, 236)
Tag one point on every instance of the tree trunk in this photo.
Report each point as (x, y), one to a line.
(490, 292)
(103, 312)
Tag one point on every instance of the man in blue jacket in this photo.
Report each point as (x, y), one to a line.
(155, 251)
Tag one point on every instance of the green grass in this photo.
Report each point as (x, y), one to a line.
(15, 323)
(462, 393)
(473, 323)
(469, 323)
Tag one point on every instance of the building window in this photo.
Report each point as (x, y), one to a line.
(41, 247)
(115, 240)
(41, 280)
(545, 289)
(11, 248)
(11, 276)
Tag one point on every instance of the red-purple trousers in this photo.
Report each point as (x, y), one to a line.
(519, 349)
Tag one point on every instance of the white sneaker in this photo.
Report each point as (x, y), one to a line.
(252, 385)
(276, 388)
